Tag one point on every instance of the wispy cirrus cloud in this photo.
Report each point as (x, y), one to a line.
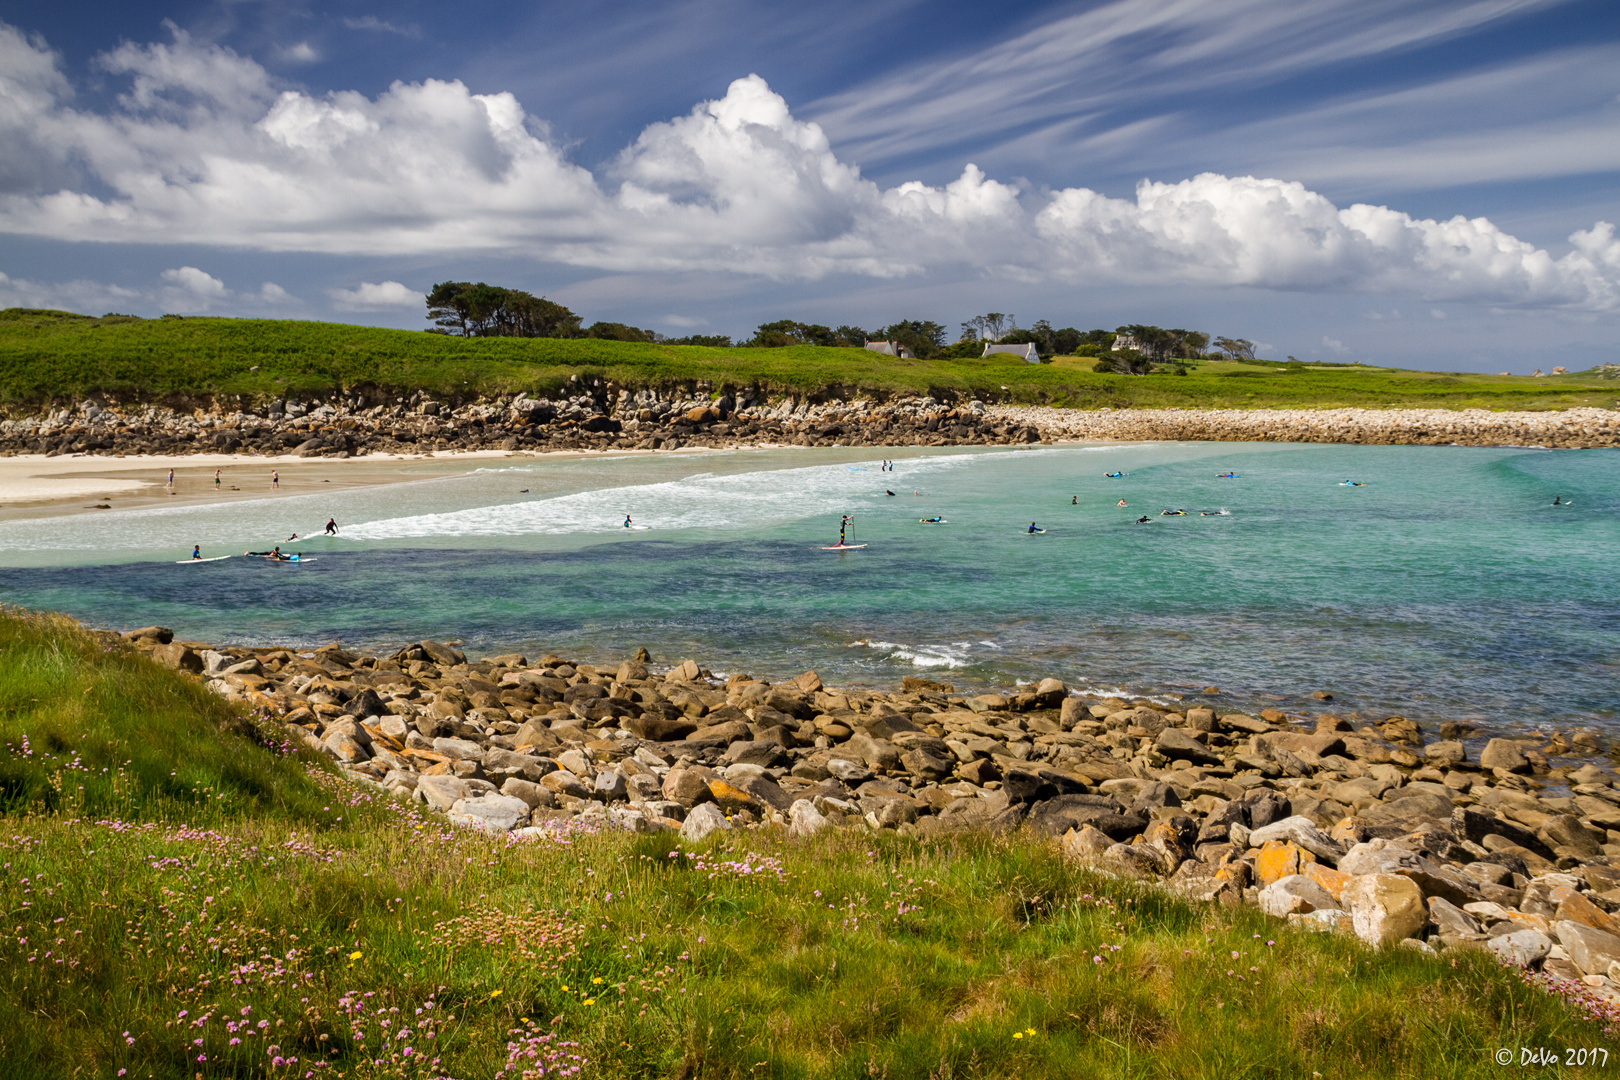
(1103, 67)
(204, 149)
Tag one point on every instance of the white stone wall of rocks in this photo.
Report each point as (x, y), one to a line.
(1582, 427)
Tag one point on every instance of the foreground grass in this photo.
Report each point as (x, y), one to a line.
(354, 936)
(55, 357)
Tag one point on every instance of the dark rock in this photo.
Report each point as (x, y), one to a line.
(1176, 743)
(1471, 824)
(656, 728)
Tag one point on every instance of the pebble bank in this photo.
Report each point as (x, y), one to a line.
(1401, 836)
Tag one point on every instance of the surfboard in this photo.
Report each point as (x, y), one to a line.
(216, 558)
(637, 528)
(293, 559)
(925, 521)
(844, 547)
(1037, 532)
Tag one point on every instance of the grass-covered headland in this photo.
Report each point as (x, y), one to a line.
(59, 358)
(186, 896)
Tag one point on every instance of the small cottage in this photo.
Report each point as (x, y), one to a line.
(1026, 351)
(890, 348)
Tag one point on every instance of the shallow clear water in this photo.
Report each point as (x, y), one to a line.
(1446, 587)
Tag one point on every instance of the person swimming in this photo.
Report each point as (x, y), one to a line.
(935, 520)
(1113, 475)
(1558, 500)
(1075, 501)
(886, 491)
(1143, 520)
(1172, 513)
(1226, 476)
(1120, 503)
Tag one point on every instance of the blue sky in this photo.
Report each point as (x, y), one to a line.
(1417, 183)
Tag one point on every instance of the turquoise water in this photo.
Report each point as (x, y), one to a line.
(1446, 587)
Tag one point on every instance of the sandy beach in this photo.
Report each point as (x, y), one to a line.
(34, 485)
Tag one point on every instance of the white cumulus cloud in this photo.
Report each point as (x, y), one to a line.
(375, 296)
(196, 281)
(203, 148)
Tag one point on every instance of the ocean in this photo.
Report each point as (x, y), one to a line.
(1445, 586)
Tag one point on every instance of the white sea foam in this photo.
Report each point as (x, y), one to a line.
(700, 501)
(953, 655)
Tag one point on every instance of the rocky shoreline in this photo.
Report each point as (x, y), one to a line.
(1565, 429)
(598, 417)
(601, 415)
(1387, 831)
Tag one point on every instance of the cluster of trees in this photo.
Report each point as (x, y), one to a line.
(482, 310)
(925, 339)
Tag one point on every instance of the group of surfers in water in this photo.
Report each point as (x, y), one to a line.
(275, 554)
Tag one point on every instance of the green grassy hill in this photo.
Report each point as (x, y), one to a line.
(186, 899)
(58, 357)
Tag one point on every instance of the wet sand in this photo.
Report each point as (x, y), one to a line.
(34, 486)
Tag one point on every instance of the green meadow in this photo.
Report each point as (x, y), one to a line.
(56, 357)
(186, 896)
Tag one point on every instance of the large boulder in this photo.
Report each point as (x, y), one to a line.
(701, 821)
(1589, 949)
(442, 792)
(1301, 831)
(1384, 908)
(1176, 743)
(491, 811)
(1522, 948)
(1504, 754)
(179, 657)
(1295, 894)
(805, 820)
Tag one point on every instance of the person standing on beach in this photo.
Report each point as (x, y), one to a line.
(216, 479)
(170, 481)
(275, 479)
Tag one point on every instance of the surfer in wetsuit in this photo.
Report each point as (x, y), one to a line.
(627, 521)
(1032, 528)
(842, 525)
(331, 526)
(1075, 501)
(1143, 520)
(196, 551)
(1558, 500)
